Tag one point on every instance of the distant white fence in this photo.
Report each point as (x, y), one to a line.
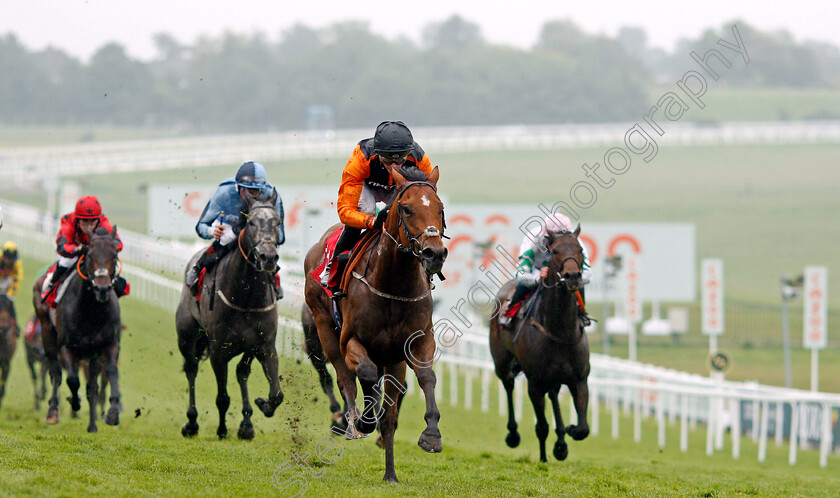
(20, 165)
(618, 385)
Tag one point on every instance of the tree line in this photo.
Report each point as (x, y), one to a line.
(345, 75)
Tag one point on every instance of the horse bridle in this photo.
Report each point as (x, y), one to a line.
(430, 231)
(561, 279)
(254, 244)
(99, 272)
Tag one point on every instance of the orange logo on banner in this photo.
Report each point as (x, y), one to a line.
(189, 208)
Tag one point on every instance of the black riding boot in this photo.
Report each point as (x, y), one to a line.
(207, 260)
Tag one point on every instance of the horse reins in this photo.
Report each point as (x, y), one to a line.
(242, 232)
(100, 272)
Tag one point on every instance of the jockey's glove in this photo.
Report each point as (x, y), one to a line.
(228, 236)
(380, 219)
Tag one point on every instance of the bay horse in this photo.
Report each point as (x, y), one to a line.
(9, 333)
(387, 312)
(35, 355)
(549, 346)
(84, 329)
(236, 314)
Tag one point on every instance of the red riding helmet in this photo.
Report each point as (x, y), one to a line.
(88, 208)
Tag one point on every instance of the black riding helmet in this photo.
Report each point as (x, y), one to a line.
(392, 136)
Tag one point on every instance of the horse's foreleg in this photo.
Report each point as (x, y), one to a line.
(537, 395)
(422, 353)
(4, 374)
(580, 393)
(268, 359)
(243, 370)
(92, 390)
(357, 360)
(190, 428)
(113, 375)
(561, 449)
(219, 362)
(72, 368)
(55, 379)
(393, 384)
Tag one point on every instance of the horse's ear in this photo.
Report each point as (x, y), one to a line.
(433, 176)
(114, 231)
(399, 180)
(549, 237)
(577, 230)
(273, 197)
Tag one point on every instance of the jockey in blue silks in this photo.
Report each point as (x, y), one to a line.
(222, 218)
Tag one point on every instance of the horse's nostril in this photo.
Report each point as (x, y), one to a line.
(427, 253)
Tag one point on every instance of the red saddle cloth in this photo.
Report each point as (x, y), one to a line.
(49, 297)
(513, 308)
(329, 248)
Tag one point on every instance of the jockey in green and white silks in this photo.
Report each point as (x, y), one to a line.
(533, 263)
(532, 257)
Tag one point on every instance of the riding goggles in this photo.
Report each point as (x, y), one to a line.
(251, 182)
(393, 157)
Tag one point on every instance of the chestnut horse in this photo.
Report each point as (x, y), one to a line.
(9, 333)
(237, 315)
(387, 313)
(549, 345)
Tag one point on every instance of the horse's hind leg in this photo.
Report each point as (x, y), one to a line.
(30, 361)
(561, 449)
(219, 362)
(537, 395)
(580, 393)
(92, 374)
(267, 357)
(192, 345)
(49, 340)
(243, 370)
(318, 361)
(113, 376)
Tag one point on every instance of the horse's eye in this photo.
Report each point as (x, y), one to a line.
(406, 211)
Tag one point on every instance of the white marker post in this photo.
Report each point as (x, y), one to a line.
(632, 303)
(815, 317)
(713, 322)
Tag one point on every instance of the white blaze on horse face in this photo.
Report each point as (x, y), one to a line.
(425, 200)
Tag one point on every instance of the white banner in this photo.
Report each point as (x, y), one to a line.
(815, 316)
(712, 296)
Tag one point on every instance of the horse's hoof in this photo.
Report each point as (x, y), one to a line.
(113, 417)
(222, 432)
(365, 427)
(246, 431)
(512, 439)
(189, 429)
(268, 407)
(92, 429)
(432, 444)
(577, 432)
(52, 417)
(391, 478)
(75, 403)
(74, 414)
(561, 451)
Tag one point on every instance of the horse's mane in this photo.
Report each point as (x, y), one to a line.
(101, 231)
(413, 173)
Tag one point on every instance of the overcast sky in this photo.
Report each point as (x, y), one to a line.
(81, 26)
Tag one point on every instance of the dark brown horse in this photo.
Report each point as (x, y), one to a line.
(548, 345)
(9, 333)
(387, 313)
(35, 355)
(84, 329)
(237, 314)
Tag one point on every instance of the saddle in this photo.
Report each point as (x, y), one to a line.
(57, 292)
(339, 272)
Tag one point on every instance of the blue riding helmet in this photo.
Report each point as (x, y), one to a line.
(251, 174)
